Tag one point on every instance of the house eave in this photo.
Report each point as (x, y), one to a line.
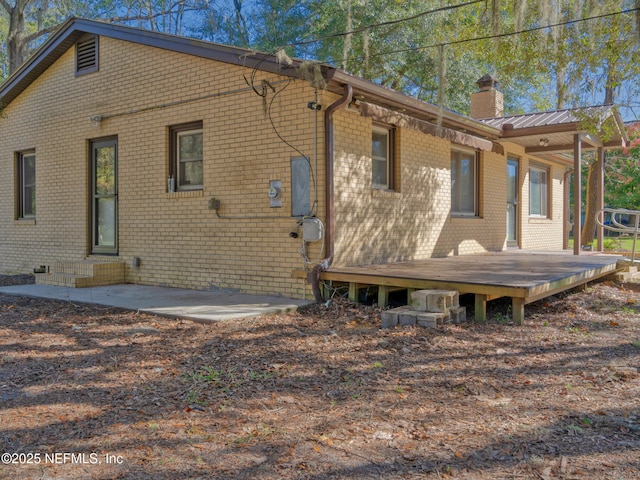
(373, 93)
(70, 31)
(555, 131)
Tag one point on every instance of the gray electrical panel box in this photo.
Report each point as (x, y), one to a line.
(312, 230)
(300, 189)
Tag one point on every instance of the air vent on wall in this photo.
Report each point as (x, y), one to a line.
(87, 55)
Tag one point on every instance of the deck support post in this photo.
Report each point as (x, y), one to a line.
(326, 292)
(385, 290)
(353, 292)
(517, 309)
(480, 309)
(383, 295)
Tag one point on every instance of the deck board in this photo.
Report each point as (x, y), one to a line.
(523, 276)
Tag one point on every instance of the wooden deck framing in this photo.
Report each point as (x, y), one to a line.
(525, 277)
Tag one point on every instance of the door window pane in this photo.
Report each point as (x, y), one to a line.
(105, 171)
(104, 191)
(511, 221)
(106, 222)
(512, 200)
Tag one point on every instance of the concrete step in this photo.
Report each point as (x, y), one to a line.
(62, 280)
(82, 273)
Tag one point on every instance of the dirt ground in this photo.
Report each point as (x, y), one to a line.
(89, 392)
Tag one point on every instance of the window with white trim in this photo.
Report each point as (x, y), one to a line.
(382, 143)
(186, 156)
(26, 168)
(538, 191)
(464, 182)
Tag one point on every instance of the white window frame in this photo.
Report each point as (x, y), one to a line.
(542, 195)
(456, 189)
(25, 189)
(388, 132)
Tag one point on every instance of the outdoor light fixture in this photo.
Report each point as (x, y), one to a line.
(96, 119)
(544, 142)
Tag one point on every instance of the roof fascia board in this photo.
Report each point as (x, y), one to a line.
(620, 126)
(410, 106)
(70, 31)
(572, 127)
(612, 144)
(561, 148)
(199, 48)
(512, 133)
(589, 142)
(39, 57)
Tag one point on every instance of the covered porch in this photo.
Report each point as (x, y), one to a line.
(563, 136)
(523, 276)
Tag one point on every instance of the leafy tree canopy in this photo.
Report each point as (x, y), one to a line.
(622, 174)
(546, 53)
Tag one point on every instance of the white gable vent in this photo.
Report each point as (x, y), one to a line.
(87, 55)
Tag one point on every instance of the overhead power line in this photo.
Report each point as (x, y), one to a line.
(509, 34)
(453, 42)
(381, 24)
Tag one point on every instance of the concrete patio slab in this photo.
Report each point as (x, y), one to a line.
(198, 305)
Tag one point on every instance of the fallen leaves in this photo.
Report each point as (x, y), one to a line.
(325, 391)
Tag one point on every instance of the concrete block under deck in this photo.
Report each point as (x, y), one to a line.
(435, 301)
(405, 315)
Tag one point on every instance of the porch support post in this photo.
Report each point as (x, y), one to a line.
(600, 204)
(577, 193)
(566, 211)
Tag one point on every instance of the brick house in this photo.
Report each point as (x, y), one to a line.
(176, 162)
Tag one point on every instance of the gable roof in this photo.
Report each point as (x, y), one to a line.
(552, 134)
(545, 119)
(73, 29)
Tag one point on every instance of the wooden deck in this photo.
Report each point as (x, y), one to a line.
(523, 276)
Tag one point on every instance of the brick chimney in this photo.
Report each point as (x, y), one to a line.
(487, 102)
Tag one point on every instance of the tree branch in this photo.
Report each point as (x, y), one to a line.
(6, 6)
(142, 17)
(21, 5)
(32, 36)
(168, 11)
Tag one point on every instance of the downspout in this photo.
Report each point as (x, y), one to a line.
(313, 276)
